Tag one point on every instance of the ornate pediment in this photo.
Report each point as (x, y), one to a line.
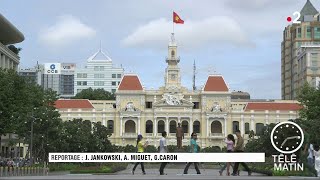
(130, 108)
(173, 99)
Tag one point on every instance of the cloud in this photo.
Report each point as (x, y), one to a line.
(217, 30)
(259, 5)
(66, 30)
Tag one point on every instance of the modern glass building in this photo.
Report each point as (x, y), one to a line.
(300, 58)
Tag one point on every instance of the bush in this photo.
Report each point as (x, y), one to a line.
(186, 148)
(94, 169)
(305, 172)
(172, 148)
(105, 168)
(129, 148)
(151, 149)
(211, 149)
(63, 166)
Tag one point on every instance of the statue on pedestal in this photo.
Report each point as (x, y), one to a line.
(180, 136)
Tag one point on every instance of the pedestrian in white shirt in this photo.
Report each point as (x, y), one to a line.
(163, 149)
(317, 159)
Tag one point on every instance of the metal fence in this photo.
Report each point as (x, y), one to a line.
(23, 171)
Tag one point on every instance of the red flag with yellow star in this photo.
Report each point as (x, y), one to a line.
(177, 19)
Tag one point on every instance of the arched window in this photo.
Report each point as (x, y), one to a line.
(196, 126)
(149, 126)
(259, 129)
(130, 127)
(160, 126)
(110, 126)
(246, 128)
(172, 53)
(173, 126)
(235, 126)
(185, 126)
(216, 127)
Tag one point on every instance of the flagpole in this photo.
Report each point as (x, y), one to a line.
(173, 27)
(173, 24)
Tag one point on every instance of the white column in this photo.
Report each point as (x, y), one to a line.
(208, 134)
(267, 117)
(290, 114)
(1, 59)
(252, 123)
(225, 126)
(139, 130)
(190, 125)
(7, 63)
(155, 127)
(242, 125)
(167, 125)
(120, 126)
(104, 122)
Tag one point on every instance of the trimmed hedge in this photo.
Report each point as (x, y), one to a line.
(108, 168)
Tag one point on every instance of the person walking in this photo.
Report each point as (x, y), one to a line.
(163, 149)
(140, 149)
(194, 149)
(310, 155)
(317, 159)
(230, 145)
(240, 148)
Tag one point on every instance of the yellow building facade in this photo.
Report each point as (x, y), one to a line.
(210, 111)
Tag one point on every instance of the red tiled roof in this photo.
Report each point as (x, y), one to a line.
(215, 83)
(273, 106)
(130, 82)
(73, 104)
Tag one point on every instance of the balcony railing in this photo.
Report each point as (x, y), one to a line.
(216, 135)
(172, 134)
(130, 135)
(149, 134)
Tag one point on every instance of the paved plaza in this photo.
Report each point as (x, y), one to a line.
(153, 173)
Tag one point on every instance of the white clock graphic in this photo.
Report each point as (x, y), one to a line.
(287, 137)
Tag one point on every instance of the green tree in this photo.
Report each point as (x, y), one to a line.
(79, 135)
(13, 97)
(100, 135)
(95, 94)
(262, 143)
(309, 97)
(23, 104)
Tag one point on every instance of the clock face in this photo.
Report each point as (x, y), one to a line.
(287, 137)
(173, 76)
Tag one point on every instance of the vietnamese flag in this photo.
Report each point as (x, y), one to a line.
(177, 19)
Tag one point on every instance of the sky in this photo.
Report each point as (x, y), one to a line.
(239, 39)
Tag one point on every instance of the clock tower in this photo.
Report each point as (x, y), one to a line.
(172, 76)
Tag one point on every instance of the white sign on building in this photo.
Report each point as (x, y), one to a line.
(68, 66)
(52, 68)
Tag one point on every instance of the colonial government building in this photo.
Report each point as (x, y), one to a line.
(210, 111)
